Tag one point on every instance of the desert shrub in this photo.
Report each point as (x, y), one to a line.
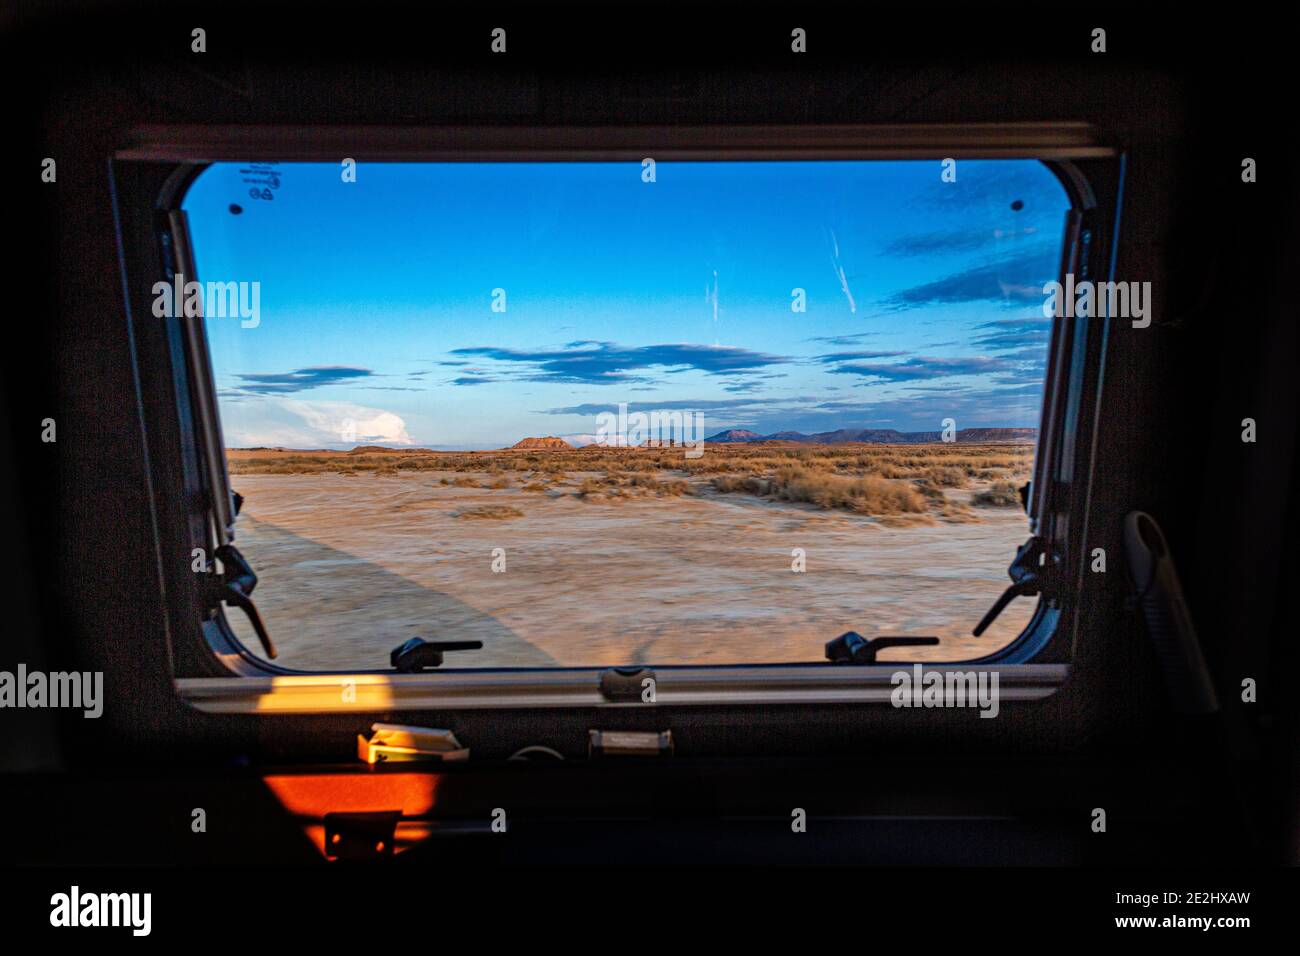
(675, 487)
(747, 484)
(932, 492)
(869, 494)
(705, 466)
(944, 476)
(1001, 494)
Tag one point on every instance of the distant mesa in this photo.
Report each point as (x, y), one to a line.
(739, 434)
(550, 441)
(877, 436)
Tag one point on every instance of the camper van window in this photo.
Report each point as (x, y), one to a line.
(574, 414)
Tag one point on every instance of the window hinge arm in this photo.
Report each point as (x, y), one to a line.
(234, 584)
(1032, 571)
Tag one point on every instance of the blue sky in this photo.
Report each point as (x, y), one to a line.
(923, 297)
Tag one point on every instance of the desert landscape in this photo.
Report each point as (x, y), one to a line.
(630, 555)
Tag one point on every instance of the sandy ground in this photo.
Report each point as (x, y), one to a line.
(352, 566)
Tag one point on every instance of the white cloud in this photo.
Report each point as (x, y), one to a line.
(293, 423)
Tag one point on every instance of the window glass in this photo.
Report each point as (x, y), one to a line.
(612, 413)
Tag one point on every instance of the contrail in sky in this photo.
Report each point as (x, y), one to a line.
(839, 273)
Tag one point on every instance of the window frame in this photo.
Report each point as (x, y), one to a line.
(214, 672)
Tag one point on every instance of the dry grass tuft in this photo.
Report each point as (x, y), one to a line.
(494, 512)
(1001, 494)
(869, 494)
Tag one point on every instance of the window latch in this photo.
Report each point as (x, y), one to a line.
(1030, 573)
(417, 654)
(233, 584)
(852, 648)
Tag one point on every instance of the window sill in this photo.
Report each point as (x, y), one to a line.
(579, 688)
